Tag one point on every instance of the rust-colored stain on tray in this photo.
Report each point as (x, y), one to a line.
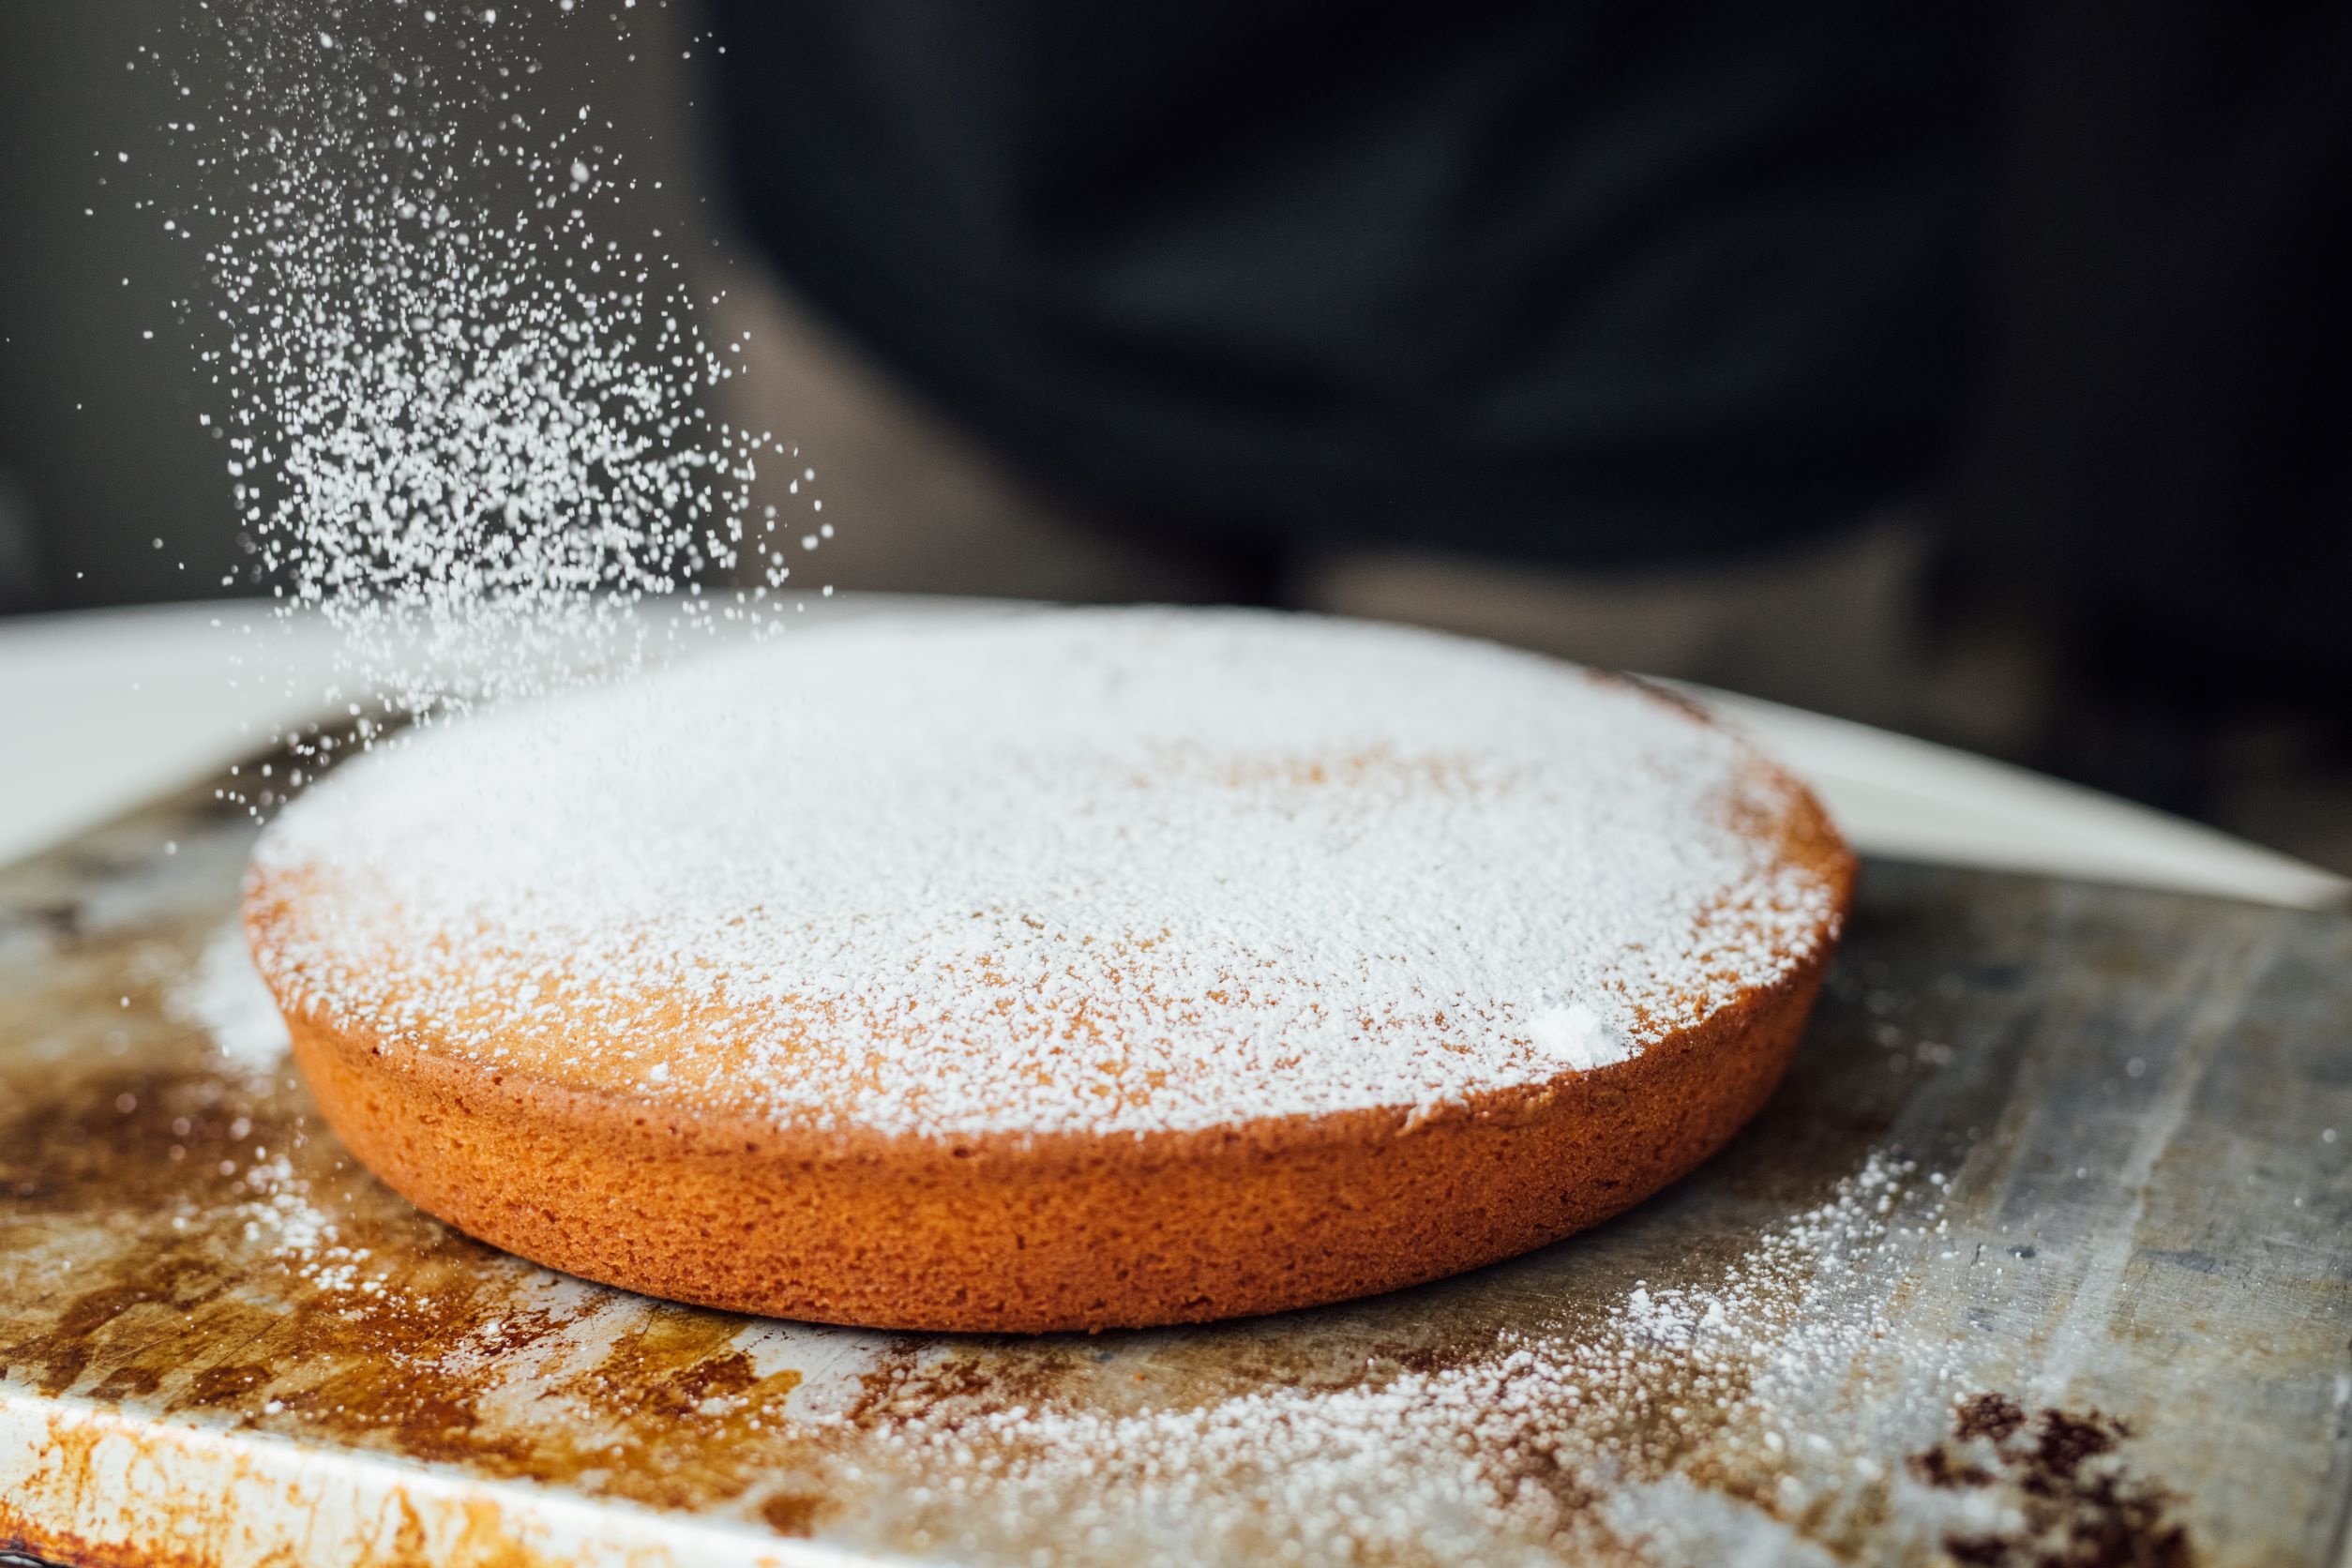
(2054, 1151)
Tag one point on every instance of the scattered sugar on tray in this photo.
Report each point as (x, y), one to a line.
(1543, 1443)
(282, 1218)
(1014, 874)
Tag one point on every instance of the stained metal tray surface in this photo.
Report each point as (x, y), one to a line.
(2039, 1256)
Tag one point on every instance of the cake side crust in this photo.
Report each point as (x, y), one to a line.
(1060, 1231)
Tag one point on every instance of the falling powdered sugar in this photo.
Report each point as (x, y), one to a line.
(456, 373)
(225, 996)
(1082, 871)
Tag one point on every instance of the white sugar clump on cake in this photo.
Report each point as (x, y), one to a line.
(1087, 871)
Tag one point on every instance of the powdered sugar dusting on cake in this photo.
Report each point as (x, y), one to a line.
(1088, 871)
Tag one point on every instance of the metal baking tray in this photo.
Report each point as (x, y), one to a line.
(2041, 1255)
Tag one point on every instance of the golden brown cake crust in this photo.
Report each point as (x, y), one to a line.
(1054, 1230)
(1042, 1227)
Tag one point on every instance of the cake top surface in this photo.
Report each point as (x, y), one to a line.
(1102, 871)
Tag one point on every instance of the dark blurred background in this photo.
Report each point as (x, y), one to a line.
(1981, 372)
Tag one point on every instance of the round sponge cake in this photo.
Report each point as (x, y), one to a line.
(1058, 971)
